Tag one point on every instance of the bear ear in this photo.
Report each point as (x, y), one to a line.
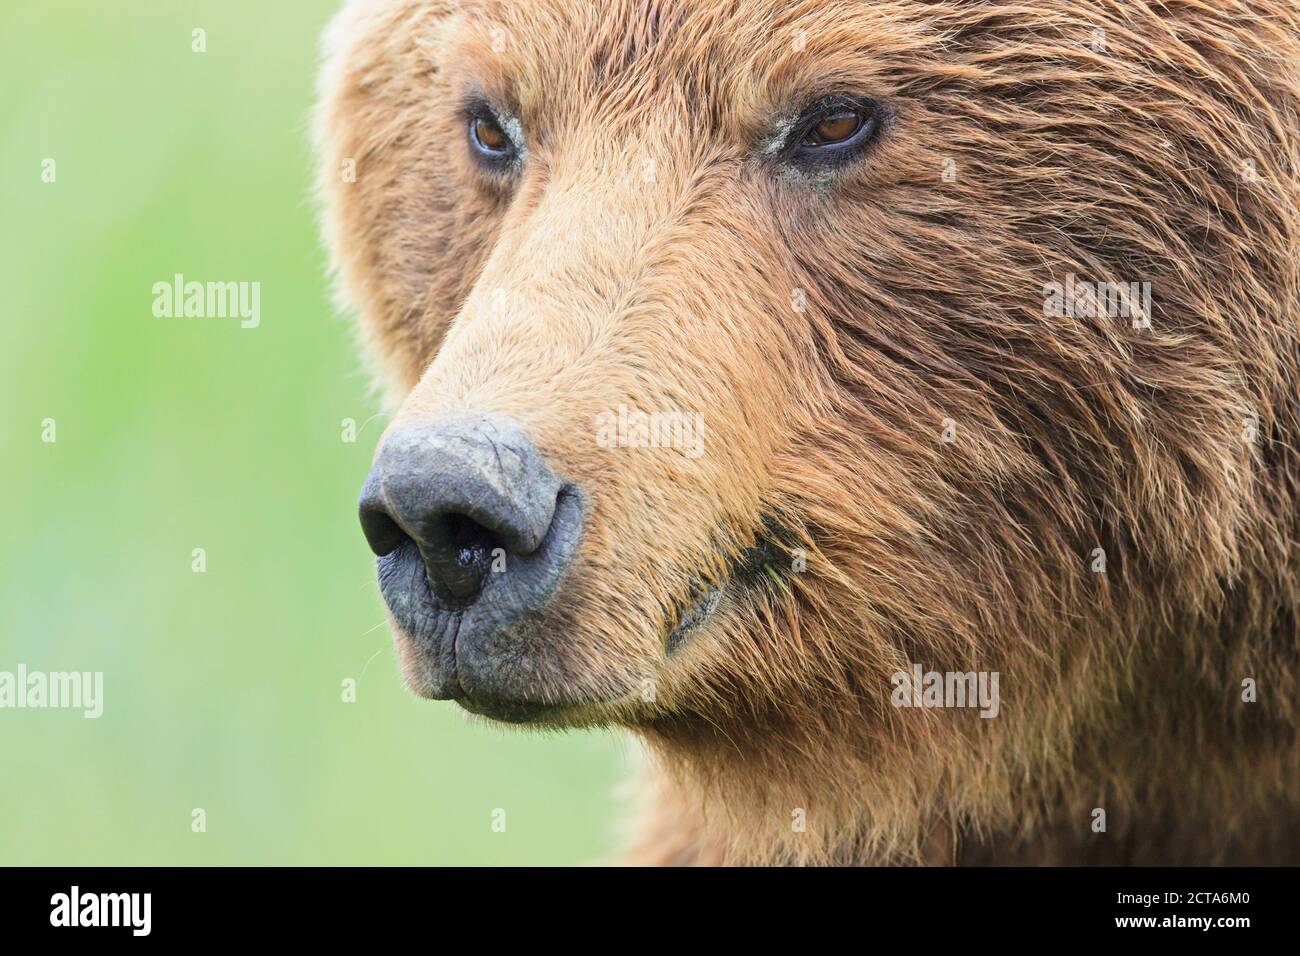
(374, 118)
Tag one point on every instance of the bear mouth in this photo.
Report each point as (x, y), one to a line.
(753, 569)
(494, 674)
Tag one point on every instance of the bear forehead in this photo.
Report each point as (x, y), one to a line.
(724, 63)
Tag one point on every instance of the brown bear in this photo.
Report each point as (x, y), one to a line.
(887, 410)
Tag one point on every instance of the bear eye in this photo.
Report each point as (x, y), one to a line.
(488, 138)
(834, 131)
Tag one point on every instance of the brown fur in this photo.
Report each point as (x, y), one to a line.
(646, 257)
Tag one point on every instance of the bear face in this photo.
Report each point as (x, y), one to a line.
(961, 335)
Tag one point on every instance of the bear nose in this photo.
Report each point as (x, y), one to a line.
(471, 494)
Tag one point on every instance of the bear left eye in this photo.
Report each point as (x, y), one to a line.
(834, 132)
(837, 129)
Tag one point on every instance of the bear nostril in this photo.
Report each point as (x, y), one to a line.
(467, 535)
(457, 556)
(382, 533)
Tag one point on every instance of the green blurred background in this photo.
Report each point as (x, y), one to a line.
(223, 690)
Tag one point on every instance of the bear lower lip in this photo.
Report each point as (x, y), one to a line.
(748, 571)
(696, 616)
(511, 711)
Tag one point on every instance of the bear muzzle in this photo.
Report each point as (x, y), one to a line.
(473, 534)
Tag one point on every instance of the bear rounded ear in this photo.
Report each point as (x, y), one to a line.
(374, 117)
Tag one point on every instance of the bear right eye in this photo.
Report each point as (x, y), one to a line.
(490, 143)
